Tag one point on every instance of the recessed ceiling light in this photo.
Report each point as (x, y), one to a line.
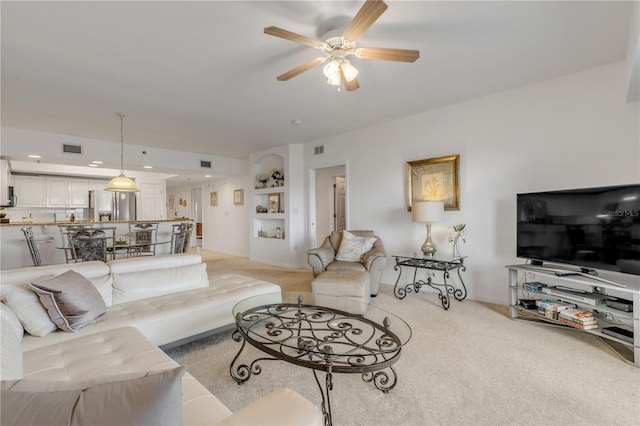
(148, 167)
(93, 165)
(33, 156)
(97, 162)
(207, 175)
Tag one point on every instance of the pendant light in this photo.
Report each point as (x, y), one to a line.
(121, 183)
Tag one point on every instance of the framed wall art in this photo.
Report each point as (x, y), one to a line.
(434, 179)
(274, 203)
(238, 197)
(213, 198)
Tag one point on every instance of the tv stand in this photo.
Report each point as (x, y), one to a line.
(606, 316)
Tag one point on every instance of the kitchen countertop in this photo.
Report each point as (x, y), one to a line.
(89, 222)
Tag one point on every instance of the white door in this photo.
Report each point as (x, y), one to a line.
(339, 209)
(150, 202)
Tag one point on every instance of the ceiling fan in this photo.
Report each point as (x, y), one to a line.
(338, 44)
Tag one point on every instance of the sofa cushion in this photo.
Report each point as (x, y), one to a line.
(70, 299)
(132, 399)
(8, 315)
(132, 286)
(10, 347)
(24, 275)
(104, 285)
(352, 247)
(24, 302)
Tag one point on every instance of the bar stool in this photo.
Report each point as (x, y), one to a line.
(33, 247)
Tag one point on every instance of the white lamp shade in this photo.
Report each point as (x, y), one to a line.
(427, 211)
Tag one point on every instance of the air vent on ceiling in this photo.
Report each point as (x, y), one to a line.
(319, 150)
(206, 164)
(71, 149)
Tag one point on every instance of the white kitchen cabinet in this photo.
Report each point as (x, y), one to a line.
(67, 192)
(29, 190)
(78, 195)
(57, 194)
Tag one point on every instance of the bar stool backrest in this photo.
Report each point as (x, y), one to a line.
(33, 247)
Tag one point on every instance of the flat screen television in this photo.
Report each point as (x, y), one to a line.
(592, 228)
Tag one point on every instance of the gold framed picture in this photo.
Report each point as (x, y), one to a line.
(238, 197)
(434, 179)
(213, 198)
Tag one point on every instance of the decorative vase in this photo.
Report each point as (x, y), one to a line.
(456, 248)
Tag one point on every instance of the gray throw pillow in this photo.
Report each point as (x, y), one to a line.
(70, 300)
(154, 399)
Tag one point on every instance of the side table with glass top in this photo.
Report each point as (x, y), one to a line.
(322, 333)
(436, 263)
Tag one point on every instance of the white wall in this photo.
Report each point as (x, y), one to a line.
(574, 131)
(226, 226)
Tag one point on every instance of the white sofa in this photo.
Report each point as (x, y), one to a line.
(152, 301)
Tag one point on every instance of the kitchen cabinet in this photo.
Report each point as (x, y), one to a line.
(67, 192)
(29, 191)
(57, 192)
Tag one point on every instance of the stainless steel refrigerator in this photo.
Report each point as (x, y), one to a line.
(105, 205)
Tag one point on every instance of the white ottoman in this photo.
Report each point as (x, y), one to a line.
(346, 285)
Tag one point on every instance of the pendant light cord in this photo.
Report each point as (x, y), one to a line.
(121, 143)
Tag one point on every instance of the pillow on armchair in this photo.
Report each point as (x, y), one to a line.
(353, 247)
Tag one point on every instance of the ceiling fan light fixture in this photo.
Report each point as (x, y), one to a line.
(121, 183)
(350, 72)
(332, 71)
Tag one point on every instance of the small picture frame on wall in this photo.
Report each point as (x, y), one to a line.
(213, 198)
(238, 197)
(434, 179)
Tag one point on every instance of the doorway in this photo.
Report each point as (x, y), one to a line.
(196, 214)
(331, 202)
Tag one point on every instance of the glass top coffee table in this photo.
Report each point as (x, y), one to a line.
(323, 333)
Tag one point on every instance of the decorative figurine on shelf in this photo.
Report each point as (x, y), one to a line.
(278, 177)
(260, 209)
(263, 178)
(456, 233)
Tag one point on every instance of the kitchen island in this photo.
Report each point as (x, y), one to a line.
(14, 252)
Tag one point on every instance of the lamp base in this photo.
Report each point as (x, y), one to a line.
(429, 247)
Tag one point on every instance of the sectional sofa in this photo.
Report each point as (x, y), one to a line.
(110, 369)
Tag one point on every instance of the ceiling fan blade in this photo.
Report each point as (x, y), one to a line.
(288, 35)
(349, 85)
(370, 11)
(381, 53)
(302, 68)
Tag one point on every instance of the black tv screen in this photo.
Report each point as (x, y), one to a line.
(593, 228)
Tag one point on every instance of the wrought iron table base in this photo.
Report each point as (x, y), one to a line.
(445, 289)
(382, 380)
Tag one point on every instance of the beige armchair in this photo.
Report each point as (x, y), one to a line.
(323, 258)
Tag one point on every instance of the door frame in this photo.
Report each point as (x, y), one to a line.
(312, 200)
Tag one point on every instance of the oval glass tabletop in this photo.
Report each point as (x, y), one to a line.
(297, 323)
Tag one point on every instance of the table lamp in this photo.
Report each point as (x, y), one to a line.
(429, 212)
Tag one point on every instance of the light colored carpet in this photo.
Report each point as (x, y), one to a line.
(468, 365)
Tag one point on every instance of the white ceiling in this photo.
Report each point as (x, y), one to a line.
(200, 76)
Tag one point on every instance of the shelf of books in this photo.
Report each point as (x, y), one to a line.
(579, 304)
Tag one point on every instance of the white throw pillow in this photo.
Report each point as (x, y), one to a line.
(8, 315)
(25, 304)
(353, 247)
